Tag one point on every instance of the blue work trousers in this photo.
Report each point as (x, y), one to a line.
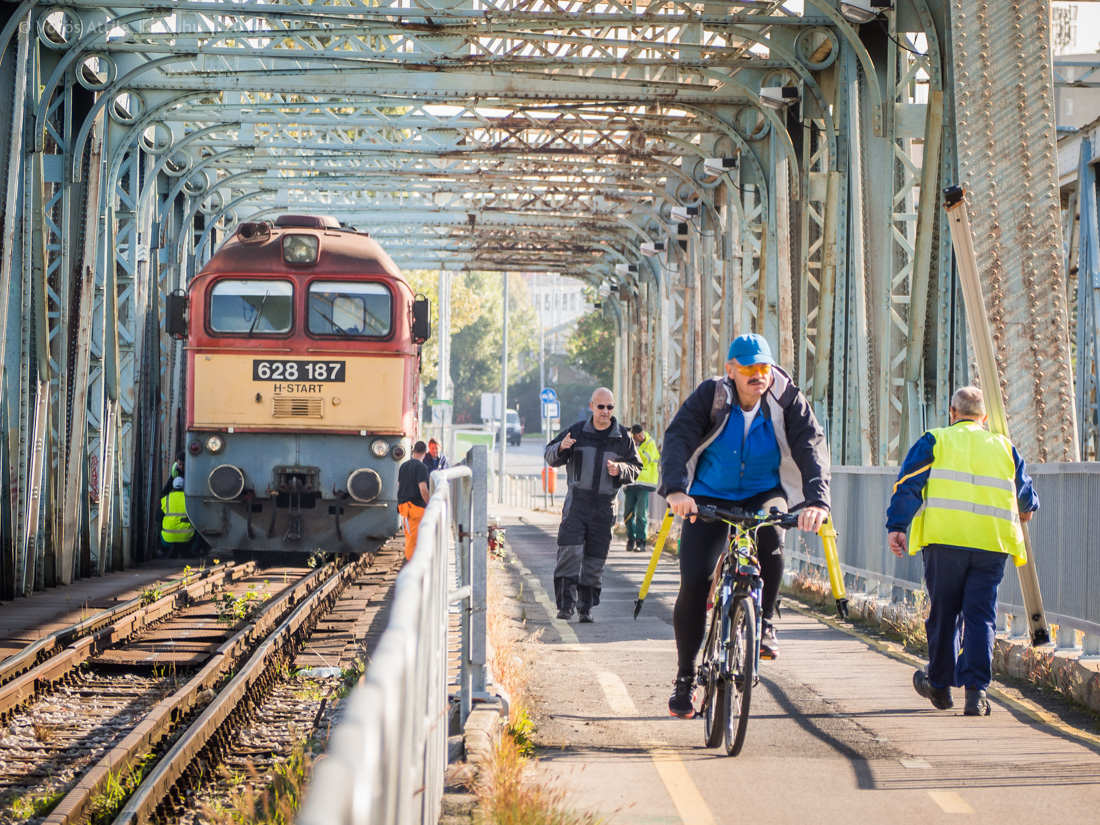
(962, 588)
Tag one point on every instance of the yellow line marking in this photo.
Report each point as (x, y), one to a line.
(681, 788)
(1029, 709)
(616, 693)
(683, 791)
(950, 802)
(685, 795)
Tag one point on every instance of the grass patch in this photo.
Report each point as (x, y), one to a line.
(234, 609)
(510, 797)
(105, 805)
(28, 807)
(258, 801)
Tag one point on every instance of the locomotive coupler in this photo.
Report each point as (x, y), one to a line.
(294, 493)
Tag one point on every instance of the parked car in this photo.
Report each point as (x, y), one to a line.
(514, 428)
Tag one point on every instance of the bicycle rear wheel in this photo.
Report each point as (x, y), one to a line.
(715, 689)
(741, 664)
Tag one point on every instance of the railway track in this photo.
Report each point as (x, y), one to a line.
(135, 720)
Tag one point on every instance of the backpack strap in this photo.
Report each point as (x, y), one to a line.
(719, 402)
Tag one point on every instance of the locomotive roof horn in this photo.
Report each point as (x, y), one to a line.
(253, 231)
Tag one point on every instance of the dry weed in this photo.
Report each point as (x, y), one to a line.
(508, 794)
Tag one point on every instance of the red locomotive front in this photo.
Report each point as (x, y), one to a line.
(302, 369)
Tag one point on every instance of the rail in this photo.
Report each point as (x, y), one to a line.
(1062, 537)
(386, 757)
(522, 490)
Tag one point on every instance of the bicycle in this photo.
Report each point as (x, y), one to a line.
(731, 652)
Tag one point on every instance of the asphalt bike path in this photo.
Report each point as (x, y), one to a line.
(836, 732)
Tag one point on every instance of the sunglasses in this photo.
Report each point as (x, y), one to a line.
(753, 369)
(605, 406)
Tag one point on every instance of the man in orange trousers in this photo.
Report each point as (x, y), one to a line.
(412, 494)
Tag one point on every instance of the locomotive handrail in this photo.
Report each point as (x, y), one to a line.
(386, 758)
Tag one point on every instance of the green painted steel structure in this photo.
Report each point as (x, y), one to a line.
(727, 166)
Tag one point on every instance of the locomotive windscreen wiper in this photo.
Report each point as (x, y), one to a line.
(332, 323)
(259, 314)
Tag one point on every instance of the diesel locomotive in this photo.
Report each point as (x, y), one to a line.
(302, 365)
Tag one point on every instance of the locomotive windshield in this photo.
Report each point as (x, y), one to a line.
(350, 309)
(251, 307)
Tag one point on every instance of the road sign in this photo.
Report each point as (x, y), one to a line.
(551, 409)
(548, 395)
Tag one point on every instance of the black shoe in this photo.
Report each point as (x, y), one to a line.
(586, 617)
(939, 697)
(630, 545)
(976, 703)
(565, 613)
(682, 702)
(769, 644)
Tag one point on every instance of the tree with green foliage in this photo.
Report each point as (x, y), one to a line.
(592, 347)
(477, 333)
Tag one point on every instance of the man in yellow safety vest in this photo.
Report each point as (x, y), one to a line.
(177, 534)
(961, 493)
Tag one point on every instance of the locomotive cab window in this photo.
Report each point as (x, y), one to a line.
(348, 309)
(251, 307)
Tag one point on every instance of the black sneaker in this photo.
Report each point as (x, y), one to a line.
(976, 703)
(565, 613)
(682, 702)
(939, 697)
(769, 644)
(586, 617)
(630, 545)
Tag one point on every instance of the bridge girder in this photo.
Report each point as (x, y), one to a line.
(520, 135)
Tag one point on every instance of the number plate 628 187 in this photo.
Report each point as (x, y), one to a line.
(271, 370)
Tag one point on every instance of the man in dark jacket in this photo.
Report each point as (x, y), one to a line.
(747, 440)
(600, 457)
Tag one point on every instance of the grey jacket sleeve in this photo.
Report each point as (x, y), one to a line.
(554, 455)
(630, 463)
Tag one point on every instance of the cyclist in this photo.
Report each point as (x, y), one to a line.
(745, 440)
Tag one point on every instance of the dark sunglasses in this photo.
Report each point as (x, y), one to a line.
(605, 406)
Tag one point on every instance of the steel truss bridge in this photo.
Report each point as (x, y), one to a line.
(713, 167)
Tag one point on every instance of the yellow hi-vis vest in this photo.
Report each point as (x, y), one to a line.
(970, 497)
(175, 528)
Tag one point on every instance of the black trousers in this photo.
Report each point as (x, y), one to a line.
(701, 543)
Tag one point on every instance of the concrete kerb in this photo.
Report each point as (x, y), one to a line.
(483, 730)
(1062, 670)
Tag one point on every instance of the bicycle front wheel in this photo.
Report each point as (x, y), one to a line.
(741, 663)
(715, 687)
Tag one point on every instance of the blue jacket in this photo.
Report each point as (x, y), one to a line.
(909, 490)
(804, 467)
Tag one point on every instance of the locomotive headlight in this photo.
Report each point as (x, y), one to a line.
(379, 448)
(215, 444)
(300, 249)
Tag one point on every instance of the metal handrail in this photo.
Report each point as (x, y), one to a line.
(386, 758)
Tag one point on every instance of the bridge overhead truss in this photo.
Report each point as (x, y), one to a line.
(711, 168)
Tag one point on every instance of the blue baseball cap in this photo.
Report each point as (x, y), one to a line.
(750, 349)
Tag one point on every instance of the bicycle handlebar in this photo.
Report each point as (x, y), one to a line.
(709, 512)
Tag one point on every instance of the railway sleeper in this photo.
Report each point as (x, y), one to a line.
(202, 740)
(199, 689)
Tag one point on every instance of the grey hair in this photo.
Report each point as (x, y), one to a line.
(968, 402)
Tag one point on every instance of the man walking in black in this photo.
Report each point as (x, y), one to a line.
(600, 457)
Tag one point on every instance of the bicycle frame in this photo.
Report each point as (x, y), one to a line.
(738, 572)
(730, 663)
